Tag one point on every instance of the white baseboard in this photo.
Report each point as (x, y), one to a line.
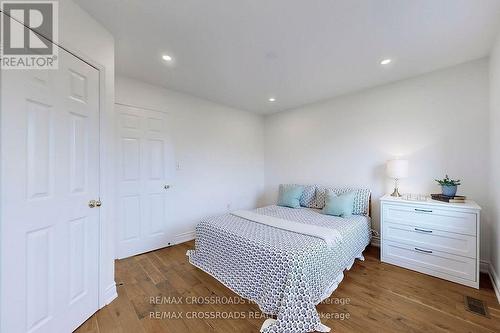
(495, 280)
(184, 237)
(487, 267)
(375, 241)
(109, 295)
(484, 266)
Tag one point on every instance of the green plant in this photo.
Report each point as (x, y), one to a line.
(448, 182)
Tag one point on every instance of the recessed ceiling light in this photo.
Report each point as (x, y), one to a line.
(272, 99)
(386, 61)
(166, 57)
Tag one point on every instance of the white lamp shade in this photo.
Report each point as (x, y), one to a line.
(397, 169)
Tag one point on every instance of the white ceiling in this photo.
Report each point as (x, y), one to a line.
(241, 52)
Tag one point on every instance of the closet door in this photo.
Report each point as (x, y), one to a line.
(50, 172)
(144, 160)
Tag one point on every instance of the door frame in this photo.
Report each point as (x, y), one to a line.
(106, 293)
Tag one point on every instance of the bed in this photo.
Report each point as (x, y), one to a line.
(286, 273)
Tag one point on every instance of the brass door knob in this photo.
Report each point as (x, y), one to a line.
(92, 203)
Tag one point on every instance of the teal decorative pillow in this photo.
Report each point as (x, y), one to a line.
(339, 205)
(361, 199)
(290, 196)
(308, 198)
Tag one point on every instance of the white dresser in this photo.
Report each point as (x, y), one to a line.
(432, 237)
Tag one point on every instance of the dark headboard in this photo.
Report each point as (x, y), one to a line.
(370, 206)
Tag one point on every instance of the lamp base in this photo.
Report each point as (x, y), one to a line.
(396, 193)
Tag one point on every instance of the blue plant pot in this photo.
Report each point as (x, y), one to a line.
(449, 190)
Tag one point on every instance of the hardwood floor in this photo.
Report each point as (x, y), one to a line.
(373, 297)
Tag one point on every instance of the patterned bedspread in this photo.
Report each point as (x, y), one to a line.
(287, 274)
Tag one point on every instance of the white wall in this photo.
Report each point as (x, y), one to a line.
(82, 35)
(219, 151)
(439, 121)
(495, 160)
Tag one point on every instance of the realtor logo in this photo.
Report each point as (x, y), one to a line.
(29, 29)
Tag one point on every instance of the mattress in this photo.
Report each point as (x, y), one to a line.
(286, 273)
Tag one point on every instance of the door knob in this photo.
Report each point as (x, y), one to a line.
(95, 203)
(166, 187)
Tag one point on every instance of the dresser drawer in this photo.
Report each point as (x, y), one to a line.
(453, 243)
(435, 263)
(431, 218)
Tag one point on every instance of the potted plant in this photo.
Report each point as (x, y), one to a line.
(448, 186)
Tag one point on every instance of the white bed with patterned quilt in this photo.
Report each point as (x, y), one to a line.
(286, 272)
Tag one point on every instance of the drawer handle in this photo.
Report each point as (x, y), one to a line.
(424, 251)
(422, 230)
(423, 210)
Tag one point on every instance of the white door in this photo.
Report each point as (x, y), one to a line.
(50, 172)
(143, 172)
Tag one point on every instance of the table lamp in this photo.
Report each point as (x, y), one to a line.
(397, 169)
